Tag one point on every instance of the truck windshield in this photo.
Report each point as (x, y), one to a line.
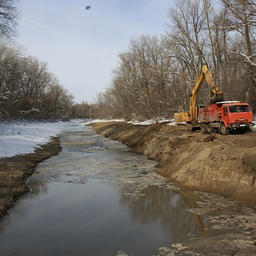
(239, 108)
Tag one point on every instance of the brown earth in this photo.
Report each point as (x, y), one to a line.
(15, 170)
(225, 165)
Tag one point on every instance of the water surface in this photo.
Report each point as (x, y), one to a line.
(96, 198)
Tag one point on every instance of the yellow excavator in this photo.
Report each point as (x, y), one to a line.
(220, 116)
(216, 95)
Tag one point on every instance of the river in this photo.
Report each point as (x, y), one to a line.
(97, 198)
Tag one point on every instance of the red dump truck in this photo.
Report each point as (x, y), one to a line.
(226, 116)
(221, 116)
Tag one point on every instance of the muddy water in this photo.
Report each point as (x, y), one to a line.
(97, 198)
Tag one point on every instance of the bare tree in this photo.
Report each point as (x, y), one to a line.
(155, 76)
(29, 90)
(243, 19)
(8, 17)
(242, 15)
(186, 30)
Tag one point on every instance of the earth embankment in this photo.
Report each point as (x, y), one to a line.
(214, 163)
(15, 170)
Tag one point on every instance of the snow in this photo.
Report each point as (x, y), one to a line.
(22, 137)
(92, 121)
(149, 122)
(135, 122)
(146, 122)
(172, 123)
(228, 101)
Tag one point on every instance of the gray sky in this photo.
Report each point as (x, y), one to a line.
(81, 46)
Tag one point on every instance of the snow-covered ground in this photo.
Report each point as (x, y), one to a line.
(21, 137)
(104, 121)
(148, 122)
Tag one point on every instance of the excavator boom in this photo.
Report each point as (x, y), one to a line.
(216, 95)
(221, 116)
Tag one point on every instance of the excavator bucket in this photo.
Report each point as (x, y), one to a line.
(216, 97)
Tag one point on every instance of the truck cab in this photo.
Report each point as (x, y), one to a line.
(226, 116)
(237, 115)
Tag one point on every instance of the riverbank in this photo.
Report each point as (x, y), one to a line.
(15, 170)
(225, 165)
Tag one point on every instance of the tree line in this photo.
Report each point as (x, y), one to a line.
(155, 75)
(29, 90)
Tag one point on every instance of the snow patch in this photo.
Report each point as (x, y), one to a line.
(135, 122)
(22, 137)
(228, 101)
(172, 123)
(146, 122)
(149, 122)
(92, 121)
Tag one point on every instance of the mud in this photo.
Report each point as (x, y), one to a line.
(203, 164)
(15, 172)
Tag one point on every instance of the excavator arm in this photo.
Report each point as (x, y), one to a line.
(216, 95)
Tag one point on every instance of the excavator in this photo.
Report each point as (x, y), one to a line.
(221, 116)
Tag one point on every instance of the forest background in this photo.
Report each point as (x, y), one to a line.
(153, 78)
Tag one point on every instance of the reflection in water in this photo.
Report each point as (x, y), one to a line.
(164, 206)
(96, 198)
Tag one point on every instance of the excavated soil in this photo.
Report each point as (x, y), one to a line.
(14, 172)
(225, 165)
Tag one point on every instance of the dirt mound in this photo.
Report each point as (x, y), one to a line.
(215, 163)
(15, 170)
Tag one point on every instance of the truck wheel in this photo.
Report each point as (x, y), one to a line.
(224, 130)
(204, 128)
(189, 128)
(248, 129)
(209, 128)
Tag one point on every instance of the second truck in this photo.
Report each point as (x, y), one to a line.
(221, 116)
